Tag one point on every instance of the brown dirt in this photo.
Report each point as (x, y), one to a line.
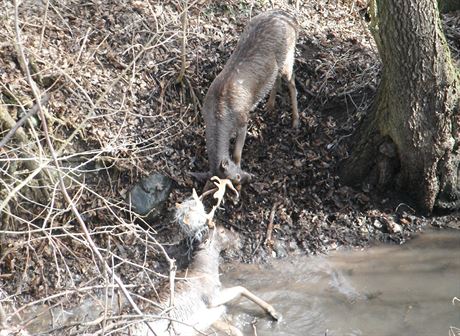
(117, 62)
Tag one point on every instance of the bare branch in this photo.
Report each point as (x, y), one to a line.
(74, 209)
(180, 77)
(21, 121)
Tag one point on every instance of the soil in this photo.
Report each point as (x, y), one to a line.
(110, 67)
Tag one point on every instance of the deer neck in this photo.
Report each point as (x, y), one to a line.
(219, 129)
(206, 261)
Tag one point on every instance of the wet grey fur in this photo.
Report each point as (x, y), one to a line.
(199, 299)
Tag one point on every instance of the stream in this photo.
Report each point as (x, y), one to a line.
(405, 290)
(379, 291)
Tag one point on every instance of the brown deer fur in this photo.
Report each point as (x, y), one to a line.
(264, 52)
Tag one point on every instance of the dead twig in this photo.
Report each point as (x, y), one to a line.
(3, 322)
(180, 77)
(67, 197)
(268, 239)
(45, 19)
(21, 121)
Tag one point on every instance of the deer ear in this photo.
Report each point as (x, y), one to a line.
(224, 164)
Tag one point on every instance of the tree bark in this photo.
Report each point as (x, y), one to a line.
(409, 138)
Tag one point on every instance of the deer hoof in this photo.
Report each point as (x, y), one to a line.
(274, 314)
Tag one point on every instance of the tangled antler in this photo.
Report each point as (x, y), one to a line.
(191, 214)
(221, 185)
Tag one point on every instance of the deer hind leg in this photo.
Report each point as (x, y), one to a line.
(229, 294)
(293, 94)
(272, 98)
(227, 328)
(288, 74)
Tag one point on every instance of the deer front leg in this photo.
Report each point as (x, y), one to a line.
(229, 294)
(239, 144)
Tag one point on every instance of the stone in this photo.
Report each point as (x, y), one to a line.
(280, 249)
(149, 195)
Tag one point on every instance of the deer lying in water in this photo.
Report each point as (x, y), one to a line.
(264, 53)
(199, 299)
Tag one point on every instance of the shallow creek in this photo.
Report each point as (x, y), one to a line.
(380, 291)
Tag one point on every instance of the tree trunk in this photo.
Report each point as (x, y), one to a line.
(410, 136)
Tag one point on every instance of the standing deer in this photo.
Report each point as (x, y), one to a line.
(199, 299)
(264, 53)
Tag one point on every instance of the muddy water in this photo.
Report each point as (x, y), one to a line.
(381, 291)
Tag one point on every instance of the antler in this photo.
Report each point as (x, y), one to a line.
(221, 185)
(191, 214)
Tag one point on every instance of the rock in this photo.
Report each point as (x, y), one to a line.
(293, 248)
(149, 195)
(377, 224)
(280, 249)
